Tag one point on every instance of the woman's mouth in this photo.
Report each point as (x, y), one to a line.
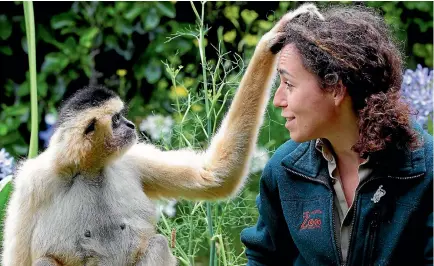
(289, 121)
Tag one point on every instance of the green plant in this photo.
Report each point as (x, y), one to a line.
(207, 222)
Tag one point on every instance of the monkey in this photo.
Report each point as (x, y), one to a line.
(87, 199)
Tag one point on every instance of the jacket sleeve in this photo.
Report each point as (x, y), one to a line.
(269, 241)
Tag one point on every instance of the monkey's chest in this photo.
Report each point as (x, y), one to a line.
(94, 224)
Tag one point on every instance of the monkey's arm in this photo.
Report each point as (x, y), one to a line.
(221, 170)
(29, 190)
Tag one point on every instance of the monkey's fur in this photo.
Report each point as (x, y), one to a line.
(86, 199)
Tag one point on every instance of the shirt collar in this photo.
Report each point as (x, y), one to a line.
(324, 147)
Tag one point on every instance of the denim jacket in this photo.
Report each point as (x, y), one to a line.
(392, 220)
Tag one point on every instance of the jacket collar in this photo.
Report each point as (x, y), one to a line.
(307, 160)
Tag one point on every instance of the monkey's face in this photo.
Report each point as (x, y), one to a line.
(92, 131)
(123, 133)
(109, 135)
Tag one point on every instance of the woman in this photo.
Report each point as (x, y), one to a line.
(354, 184)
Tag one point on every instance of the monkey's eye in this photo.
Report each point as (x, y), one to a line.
(90, 127)
(116, 119)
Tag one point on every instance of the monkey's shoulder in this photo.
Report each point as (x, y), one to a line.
(33, 174)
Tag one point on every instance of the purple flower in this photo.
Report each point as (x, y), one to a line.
(417, 90)
(7, 164)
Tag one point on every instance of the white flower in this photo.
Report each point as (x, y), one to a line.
(167, 208)
(158, 127)
(50, 119)
(259, 160)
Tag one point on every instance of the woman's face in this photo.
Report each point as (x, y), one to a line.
(310, 112)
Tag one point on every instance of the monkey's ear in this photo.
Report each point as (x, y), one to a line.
(90, 127)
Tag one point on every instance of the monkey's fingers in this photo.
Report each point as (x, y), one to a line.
(310, 9)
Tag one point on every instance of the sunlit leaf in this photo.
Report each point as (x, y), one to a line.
(249, 16)
(87, 36)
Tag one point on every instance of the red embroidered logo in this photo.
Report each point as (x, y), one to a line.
(311, 220)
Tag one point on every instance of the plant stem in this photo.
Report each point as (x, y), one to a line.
(212, 254)
(31, 48)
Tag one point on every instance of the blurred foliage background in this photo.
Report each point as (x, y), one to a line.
(130, 46)
(123, 44)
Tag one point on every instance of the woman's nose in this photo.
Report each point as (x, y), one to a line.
(279, 99)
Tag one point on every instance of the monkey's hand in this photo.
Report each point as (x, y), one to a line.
(274, 39)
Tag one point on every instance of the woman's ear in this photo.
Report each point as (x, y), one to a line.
(339, 93)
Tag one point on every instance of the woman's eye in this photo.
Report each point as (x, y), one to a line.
(288, 85)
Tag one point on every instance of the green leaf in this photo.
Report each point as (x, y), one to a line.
(86, 63)
(16, 110)
(249, 16)
(423, 25)
(44, 34)
(5, 193)
(232, 12)
(65, 31)
(69, 48)
(42, 86)
(111, 42)
(5, 27)
(121, 6)
(153, 71)
(60, 86)
(124, 27)
(87, 36)
(230, 36)
(6, 50)
(134, 12)
(3, 129)
(152, 19)
(23, 89)
(55, 62)
(166, 8)
(419, 5)
(265, 25)
(24, 44)
(62, 20)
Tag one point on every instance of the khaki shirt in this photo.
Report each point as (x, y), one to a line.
(343, 213)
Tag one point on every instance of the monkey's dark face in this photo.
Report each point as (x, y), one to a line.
(110, 133)
(93, 129)
(116, 132)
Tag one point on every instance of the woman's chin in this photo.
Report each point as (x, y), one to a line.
(295, 136)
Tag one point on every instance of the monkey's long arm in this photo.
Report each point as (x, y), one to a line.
(221, 170)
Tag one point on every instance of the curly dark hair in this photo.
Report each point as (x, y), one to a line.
(354, 46)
